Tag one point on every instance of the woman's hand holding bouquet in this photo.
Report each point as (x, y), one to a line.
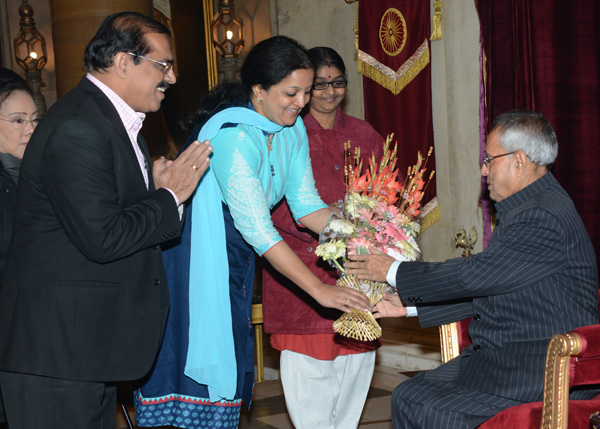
(379, 215)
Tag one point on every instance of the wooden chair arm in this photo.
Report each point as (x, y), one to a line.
(449, 341)
(555, 409)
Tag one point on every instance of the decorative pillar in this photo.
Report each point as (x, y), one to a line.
(74, 23)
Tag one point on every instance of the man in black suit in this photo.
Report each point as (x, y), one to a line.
(537, 278)
(84, 295)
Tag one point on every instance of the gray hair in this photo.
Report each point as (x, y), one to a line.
(527, 131)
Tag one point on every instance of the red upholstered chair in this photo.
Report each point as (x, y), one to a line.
(573, 359)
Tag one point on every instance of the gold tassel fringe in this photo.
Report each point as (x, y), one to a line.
(395, 81)
(430, 214)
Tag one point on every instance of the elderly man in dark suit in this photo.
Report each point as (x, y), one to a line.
(537, 277)
(84, 296)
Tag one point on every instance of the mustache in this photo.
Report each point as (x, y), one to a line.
(164, 85)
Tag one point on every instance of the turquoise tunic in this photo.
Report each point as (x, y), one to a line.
(254, 178)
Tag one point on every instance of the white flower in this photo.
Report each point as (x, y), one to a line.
(331, 250)
(341, 226)
(408, 249)
(356, 201)
(398, 256)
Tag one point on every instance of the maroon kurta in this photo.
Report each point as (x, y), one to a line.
(287, 309)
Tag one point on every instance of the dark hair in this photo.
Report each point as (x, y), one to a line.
(10, 82)
(120, 32)
(272, 60)
(528, 131)
(267, 64)
(324, 56)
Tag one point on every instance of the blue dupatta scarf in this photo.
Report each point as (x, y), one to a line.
(211, 355)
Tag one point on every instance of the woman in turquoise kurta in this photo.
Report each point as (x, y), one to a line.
(205, 365)
(265, 172)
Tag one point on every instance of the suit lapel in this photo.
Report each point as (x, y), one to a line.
(146, 153)
(115, 124)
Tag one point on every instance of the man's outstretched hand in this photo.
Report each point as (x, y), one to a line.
(370, 267)
(389, 306)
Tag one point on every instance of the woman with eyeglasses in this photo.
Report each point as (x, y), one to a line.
(325, 376)
(206, 363)
(18, 118)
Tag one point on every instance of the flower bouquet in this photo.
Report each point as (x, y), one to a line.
(377, 212)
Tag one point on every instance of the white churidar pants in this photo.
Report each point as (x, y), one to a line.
(326, 394)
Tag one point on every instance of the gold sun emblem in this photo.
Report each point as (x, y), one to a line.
(392, 32)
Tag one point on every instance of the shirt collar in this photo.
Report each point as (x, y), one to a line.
(131, 119)
(339, 125)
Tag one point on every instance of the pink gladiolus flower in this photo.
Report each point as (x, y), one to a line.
(365, 214)
(380, 209)
(358, 246)
(390, 212)
(392, 230)
(401, 219)
(380, 237)
(365, 233)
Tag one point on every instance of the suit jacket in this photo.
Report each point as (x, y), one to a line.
(84, 295)
(8, 194)
(537, 277)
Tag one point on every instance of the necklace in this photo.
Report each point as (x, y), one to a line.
(270, 143)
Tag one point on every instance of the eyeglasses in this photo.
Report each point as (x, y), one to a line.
(20, 123)
(321, 86)
(167, 66)
(488, 159)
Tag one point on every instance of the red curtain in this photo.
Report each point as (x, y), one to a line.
(393, 39)
(544, 55)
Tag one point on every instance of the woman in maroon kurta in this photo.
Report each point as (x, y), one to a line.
(325, 376)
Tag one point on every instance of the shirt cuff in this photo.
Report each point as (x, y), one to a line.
(391, 279)
(174, 196)
(391, 274)
(179, 205)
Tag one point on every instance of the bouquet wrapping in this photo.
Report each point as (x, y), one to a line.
(377, 212)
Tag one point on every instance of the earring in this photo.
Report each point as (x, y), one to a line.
(257, 99)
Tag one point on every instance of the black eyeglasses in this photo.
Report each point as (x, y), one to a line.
(487, 159)
(167, 66)
(321, 86)
(20, 123)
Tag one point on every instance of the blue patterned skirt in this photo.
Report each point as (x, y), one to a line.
(168, 396)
